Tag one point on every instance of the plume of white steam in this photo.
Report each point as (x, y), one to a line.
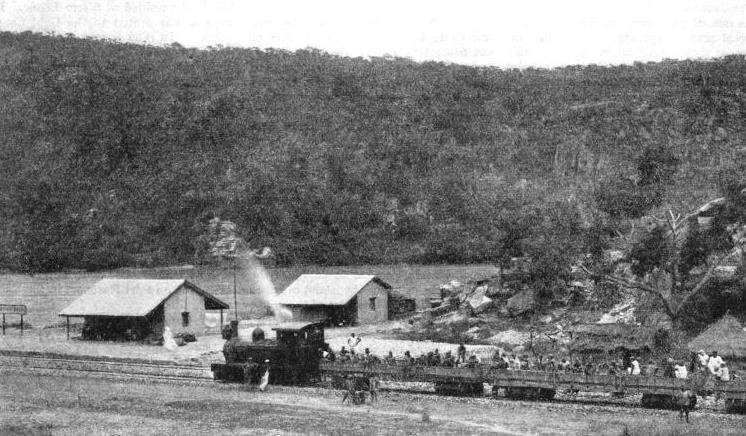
(261, 282)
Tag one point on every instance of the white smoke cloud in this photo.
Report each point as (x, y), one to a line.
(260, 282)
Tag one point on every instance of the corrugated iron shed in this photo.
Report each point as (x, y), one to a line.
(124, 297)
(326, 289)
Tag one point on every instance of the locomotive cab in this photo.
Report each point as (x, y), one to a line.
(293, 356)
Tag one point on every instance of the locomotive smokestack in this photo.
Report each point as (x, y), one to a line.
(234, 329)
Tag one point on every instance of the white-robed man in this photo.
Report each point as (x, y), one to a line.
(680, 370)
(724, 373)
(702, 358)
(265, 377)
(168, 340)
(635, 369)
(353, 341)
(714, 363)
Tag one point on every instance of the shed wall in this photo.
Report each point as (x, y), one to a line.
(175, 305)
(309, 313)
(365, 313)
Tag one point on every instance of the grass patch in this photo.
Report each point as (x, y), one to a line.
(670, 425)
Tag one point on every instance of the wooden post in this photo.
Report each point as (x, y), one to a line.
(68, 327)
(21, 324)
(221, 320)
(3, 324)
(235, 297)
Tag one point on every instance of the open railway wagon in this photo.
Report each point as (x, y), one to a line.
(656, 391)
(293, 356)
(539, 385)
(447, 381)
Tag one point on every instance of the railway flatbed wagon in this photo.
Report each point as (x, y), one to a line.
(734, 394)
(393, 372)
(456, 381)
(524, 384)
(657, 392)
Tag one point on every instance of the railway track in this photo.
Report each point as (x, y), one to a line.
(163, 371)
(126, 368)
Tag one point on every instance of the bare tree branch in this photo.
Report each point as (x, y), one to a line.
(706, 278)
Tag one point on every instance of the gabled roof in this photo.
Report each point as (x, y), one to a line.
(326, 289)
(725, 336)
(123, 297)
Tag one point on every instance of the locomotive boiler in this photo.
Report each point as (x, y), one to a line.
(292, 357)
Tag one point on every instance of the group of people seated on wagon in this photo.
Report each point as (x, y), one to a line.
(627, 365)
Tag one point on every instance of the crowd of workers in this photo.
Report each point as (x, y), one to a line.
(626, 365)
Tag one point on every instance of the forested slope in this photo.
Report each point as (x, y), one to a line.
(118, 154)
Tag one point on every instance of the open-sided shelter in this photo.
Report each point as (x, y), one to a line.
(340, 299)
(726, 336)
(137, 309)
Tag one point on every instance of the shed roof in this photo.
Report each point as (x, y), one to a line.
(124, 297)
(725, 336)
(611, 337)
(326, 289)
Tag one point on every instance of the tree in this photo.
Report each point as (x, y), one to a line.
(674, 263)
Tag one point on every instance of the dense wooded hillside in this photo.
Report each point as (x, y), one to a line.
(119, 154)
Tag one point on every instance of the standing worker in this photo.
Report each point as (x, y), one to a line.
(353, 341)
(265, 377)
(635, 366)
(461, 354)
(168, 340)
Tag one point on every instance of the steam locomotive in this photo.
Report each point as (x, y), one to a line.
(293, 357)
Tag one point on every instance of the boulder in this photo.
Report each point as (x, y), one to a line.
(454, 287)
(521, 303)
(451, 318)
(622, 313)
(483, 306)
(478, 300)
(511, 337)
(473, 332)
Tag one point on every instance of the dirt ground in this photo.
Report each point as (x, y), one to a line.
(63, 405)
(208, 349)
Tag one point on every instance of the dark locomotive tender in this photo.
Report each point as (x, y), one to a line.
(293, 357)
